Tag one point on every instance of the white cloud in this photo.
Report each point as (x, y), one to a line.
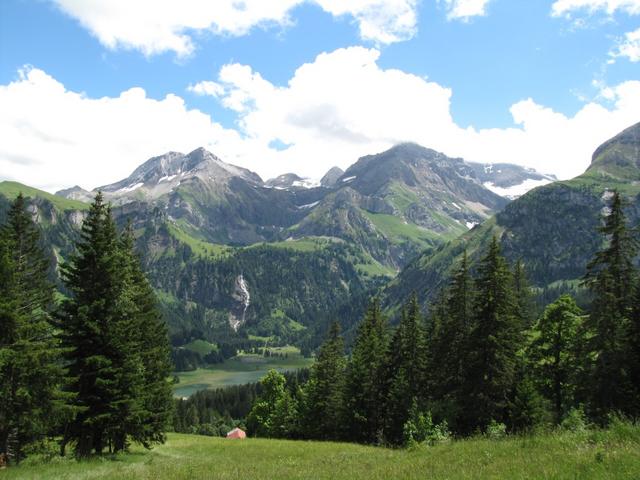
(629, 47)
(332, 111)
(55, 138)
(567, 7)
(206, 87)
(344, 105)
(465, 9)
(156, 26)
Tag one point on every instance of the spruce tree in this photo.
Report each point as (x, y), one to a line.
(323, 393)
(117, 345)
(611, 278)
(151, 347)
(404, 371)
(494, 343)
(364, 394)
(30, 369)
(554, 353)
(451, 321)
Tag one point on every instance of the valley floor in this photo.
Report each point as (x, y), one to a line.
(613, 454)
(239, 370)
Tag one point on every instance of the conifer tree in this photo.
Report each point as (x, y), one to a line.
(93, 277)
(30, 371)
(324, 392)
(404, 371)
(151, 346)
(554, 353)
(117, 346)
(611, 278)
(364, 394)
(452, 324)
(494, 344)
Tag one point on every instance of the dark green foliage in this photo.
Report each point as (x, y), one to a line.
(555, 356)
(30, 371)
(633, 354)
(525, 306)
(451, 326)
(117, 346)
(364, 384)
(323, 400)
(494, 343)
(404, 371)
(151, 346)
(611, 278)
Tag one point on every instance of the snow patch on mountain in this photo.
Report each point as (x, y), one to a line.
(131, 188)
(518, 190)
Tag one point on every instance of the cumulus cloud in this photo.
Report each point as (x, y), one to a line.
(344, 105)
(339, 107)
(55, 138)
(153, 26)
(567, 7)
(628, 47)
(465, 9)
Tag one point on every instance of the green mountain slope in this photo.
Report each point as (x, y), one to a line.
(552, 229)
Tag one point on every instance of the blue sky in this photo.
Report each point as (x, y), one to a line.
(305, 85)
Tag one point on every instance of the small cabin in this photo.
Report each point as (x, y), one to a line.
(237, 433)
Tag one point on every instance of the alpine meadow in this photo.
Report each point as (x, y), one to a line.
(377, 239)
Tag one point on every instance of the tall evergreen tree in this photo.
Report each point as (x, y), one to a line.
(30, 369)
(611, 278)
(117, 346)
(324, 392)
(554, 353)
(151, 344)
(451, 321)
(364, 394)
(94, 279)
(494, 344)
(404, 371)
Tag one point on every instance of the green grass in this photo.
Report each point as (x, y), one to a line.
(199, 247)
(398, 230)
(12, 189)
(598, 455)
(306, 244)
(241, 369)
(401, 197)
(201, 346)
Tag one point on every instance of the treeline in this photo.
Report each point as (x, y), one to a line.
(93, 369)
(185, 360)
(216, 412)
(479, 362)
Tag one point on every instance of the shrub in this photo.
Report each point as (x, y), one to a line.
(496, 430)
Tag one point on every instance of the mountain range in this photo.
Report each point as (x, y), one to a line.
(230, 254)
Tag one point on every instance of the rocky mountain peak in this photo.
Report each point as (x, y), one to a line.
(619, 156)
(331, 177)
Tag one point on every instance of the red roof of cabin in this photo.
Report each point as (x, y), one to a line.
(236, 433)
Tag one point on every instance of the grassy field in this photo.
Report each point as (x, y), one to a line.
(613, 454)
(243, 368)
